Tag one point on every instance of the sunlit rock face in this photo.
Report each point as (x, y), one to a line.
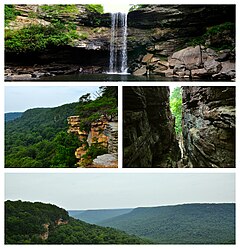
(148, 128)
(209, 126)
(101, 132)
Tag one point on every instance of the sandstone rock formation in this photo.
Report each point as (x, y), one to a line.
(209, 126)
(101, 132)
(148, 128)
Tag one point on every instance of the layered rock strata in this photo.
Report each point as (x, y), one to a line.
(208, 124)
(102, 132)
(148, 128)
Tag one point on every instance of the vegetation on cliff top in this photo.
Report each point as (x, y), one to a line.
(24, 224)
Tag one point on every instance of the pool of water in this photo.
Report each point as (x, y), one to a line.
(108, 77)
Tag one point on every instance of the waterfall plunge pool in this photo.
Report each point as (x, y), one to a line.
(111, 77)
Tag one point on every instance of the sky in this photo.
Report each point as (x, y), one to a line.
(116, 7)
(22, 98)
(77, 191)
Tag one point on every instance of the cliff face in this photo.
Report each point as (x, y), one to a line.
(209, 126)
(148, 128)
(157, 29)
(101, 132)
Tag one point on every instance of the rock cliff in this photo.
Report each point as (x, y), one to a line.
(209, 126)
(101, 132)
(160, 30)
(148, 128)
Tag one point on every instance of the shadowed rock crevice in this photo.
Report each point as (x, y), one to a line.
(149, 138)
(208, 128)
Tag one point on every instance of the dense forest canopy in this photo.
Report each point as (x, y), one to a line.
(39, 138)
(180, 224)
(39, 223)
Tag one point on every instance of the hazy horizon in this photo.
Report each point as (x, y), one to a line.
(116, 208)
(93, 191)
(22, 98)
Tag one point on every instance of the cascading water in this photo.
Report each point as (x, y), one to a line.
(118, 44)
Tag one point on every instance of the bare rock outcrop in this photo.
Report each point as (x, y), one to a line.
(102, 132)
(209, 126)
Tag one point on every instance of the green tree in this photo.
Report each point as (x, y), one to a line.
(176, 108)
(66, 144)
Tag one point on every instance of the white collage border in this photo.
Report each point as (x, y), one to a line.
(3, 84)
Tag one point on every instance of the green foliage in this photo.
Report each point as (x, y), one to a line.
(180, 224)
(24, 220)
(95, 8)
(56, 10)
(176, 108)
(10, 13)
(220, 28)
(95, 150)
(216, 31)
(24, 225)
(105, 105)
(136, 7)
(66, 145)
(38, 37)
(33, 139)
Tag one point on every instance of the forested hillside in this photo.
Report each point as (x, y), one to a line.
(39, 138)
(39, 223)
(181, 224)
(96, 216)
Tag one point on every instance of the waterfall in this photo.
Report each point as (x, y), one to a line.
(118, 44)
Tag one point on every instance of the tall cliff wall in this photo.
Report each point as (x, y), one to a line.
(209, 126)
(148, 128)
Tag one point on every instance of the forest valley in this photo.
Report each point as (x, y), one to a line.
(39, 138)
(39, 223)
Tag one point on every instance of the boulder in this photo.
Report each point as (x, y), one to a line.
(212, 66)
(105, 161)
(147, 58)
(140, 71)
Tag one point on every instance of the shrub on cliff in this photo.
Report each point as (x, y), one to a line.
(38, 37)
(9, 13)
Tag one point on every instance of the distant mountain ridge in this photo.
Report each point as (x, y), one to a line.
(9, 116)
(177, 224)
(96, 216)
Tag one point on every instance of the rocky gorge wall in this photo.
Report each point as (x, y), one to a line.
(208, 125)
(148, 128)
